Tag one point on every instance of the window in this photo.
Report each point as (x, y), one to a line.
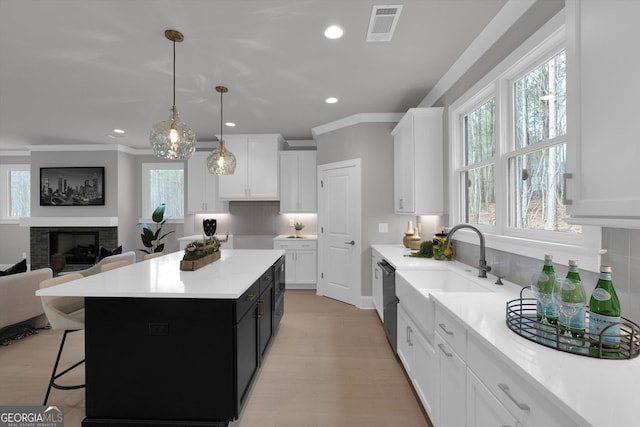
(15, 181)
(163, 183)
(508, 155)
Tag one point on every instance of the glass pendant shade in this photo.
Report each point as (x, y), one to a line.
(172, 139)
(221, 161)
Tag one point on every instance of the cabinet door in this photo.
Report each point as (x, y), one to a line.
(403, 166)
(290, 270)
(425, 372)
(452, 384)
(265, 318)
(305, 271)
(263, 172)
(202, 186)
(289, 182)
(247, 353)
(234, 187)
(603, 82)
(307, 172)
(405, 348)
(483, 409)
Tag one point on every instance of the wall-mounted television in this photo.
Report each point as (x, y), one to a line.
(72, 186)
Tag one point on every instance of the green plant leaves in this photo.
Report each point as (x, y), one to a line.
(158, 214)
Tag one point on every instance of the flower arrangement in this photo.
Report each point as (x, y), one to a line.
(439, 250)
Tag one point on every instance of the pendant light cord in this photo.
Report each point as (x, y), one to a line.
(174, 73)
(221, 115)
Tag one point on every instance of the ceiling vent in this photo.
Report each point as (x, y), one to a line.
(383, 22)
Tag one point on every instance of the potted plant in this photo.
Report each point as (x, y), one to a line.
(298, 226)
(152, 239)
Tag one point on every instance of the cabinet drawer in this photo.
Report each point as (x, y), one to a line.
(294, 244)
(452, 331)
(247, 300)
(266, 279)
(526, 404)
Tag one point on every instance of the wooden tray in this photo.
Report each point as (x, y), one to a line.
(199, 263)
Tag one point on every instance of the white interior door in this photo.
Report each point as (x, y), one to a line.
(339, 235)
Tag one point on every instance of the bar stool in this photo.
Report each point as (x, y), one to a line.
(114, 265)
(63, 313)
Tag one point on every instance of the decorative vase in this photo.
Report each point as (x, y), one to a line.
(407, 235)
(415, 240)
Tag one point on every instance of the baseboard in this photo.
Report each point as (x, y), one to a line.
(300, 286)
(366, 303)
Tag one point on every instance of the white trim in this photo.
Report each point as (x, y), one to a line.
(70, 221)
(497, 27)
(88, 147)
(14, 153)
(546, 42)
(354, 120)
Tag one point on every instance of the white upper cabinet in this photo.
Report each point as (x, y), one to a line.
(202, 186)
(603, 68)
(257, 168)
(418, 163)
(298, 181)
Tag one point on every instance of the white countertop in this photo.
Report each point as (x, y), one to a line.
(226, 278)
(598, 392)
(303, 237)
(396, 255)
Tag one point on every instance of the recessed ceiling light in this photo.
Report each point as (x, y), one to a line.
(118, 131)
(331, 100)
(333, 32)
(230, 124)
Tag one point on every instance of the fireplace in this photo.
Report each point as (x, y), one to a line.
(78, 247)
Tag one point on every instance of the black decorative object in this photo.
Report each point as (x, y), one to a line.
(72, 186)
(209, 226)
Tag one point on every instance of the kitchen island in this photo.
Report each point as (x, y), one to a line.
(166, 347)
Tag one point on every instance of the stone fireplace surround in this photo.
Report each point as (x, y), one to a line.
(39, 242)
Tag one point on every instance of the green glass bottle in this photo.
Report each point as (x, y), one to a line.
(551, 309)
(577, 322)
(604, 308)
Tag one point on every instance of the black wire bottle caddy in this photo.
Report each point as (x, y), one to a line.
(522, 319)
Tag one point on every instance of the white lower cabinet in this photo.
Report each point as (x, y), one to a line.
(527, 405)
(483, 408)
(419, 360)
(452, 389)
(300, 262)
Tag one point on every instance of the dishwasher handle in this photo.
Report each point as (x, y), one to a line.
(387, 268)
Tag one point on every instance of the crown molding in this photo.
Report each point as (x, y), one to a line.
(354, 120)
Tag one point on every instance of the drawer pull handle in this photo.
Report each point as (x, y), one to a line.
(260, 309)
(506, 390)
(250, 297)
(444, 351)
(444, 328)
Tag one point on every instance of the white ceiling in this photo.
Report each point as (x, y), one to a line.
(73, 70)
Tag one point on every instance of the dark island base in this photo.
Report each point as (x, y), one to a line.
(169, 362)
(141, 423)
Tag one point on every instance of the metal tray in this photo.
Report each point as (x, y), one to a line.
(522, 319)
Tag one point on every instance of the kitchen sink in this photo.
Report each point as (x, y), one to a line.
(413, 288)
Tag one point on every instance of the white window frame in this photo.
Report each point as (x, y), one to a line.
(498, 83)
(146, 188)
(5, 192)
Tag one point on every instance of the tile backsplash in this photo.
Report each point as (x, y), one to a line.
(623, 255)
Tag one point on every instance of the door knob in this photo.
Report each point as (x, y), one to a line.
(352, 243)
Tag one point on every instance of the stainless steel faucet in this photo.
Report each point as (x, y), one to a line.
(482, 264)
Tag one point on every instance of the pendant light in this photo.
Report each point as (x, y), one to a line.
(172, 139)
(221, 161)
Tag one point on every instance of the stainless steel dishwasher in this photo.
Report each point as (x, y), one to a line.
(390, 303)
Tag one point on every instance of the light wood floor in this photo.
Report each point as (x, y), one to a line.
(329, 365)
